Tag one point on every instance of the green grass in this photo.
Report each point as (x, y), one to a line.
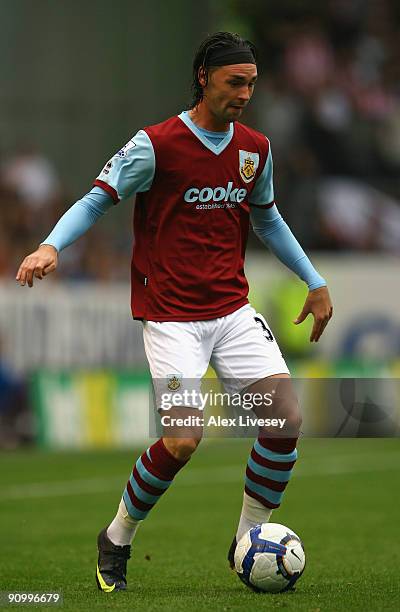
(343, 500)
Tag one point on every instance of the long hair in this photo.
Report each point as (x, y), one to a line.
(219, 40)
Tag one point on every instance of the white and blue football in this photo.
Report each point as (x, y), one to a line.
(270, 558)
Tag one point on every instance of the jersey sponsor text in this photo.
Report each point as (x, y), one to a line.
(219, 194)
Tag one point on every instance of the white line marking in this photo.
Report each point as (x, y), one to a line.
(350, 464)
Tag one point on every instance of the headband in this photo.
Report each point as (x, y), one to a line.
(227, 56)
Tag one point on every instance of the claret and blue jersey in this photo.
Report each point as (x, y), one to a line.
(196, 193)
(191, 216)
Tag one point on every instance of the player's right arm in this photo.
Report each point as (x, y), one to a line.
(131, 170)
(75, 222)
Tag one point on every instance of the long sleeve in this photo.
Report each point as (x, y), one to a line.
(79, 218)
(272, 230)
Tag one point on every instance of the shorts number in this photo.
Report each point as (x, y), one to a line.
(261, 322)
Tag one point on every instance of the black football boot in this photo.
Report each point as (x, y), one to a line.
(111, 564)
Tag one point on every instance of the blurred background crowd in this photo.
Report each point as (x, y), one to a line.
(330, 103)
(328, 97)
(32, 199)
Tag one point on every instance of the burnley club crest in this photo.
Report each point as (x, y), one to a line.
(174, 381)
(248, 164)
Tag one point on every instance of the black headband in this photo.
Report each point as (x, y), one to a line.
(233, 55)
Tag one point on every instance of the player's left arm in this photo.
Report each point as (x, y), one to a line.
(273, 231)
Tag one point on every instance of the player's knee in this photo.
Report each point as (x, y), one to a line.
(181, 448)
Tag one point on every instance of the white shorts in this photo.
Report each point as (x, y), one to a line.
(240, 347)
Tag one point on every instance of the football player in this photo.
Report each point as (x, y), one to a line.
(200, 178)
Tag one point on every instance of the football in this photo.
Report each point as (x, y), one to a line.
(270, 558)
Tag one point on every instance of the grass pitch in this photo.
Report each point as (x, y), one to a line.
(343, 501)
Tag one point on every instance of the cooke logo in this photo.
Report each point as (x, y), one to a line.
(219, 194)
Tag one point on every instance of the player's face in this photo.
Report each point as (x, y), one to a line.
(229, 90)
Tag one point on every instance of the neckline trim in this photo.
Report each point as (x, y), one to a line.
(216, 149)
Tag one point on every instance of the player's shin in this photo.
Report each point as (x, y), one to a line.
(273, 455)
(152, 474)
(268, 471)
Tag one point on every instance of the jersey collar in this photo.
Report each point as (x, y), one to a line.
(216, 149)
